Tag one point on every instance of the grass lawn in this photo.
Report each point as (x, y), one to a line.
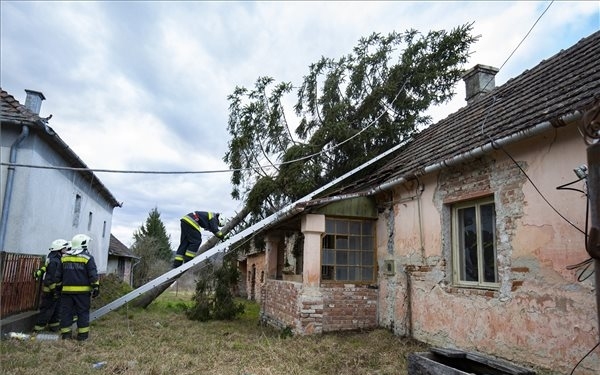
(161, 340)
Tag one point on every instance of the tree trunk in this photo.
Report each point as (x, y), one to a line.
(147, 298)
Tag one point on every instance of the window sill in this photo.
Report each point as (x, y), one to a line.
(473, 291)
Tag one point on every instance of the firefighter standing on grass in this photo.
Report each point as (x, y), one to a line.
(50, 307)
(191, 233)
(79, 278)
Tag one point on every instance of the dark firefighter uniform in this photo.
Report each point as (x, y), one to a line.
(191, 234)
(49, 306)
(79, 277)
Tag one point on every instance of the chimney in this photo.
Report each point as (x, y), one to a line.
(479, 81)
(33, 101)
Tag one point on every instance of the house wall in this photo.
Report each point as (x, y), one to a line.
(255, 275)
(541, 314)
(307, 306)
(43, 203)
(113, 267)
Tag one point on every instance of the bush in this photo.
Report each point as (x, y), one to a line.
(213, 298)
(111, 288)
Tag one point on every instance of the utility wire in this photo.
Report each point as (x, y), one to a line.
(99, 170)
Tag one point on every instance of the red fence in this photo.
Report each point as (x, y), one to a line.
(19, 292)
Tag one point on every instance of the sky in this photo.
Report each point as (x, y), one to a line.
(143, 85)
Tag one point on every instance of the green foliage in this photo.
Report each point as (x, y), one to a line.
(348, 111)
(111, 288)
(213, 298)
(155, 228)
(286, 332)
(149, 266)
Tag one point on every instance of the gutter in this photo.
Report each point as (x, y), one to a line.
(10, 178)
(468, 155)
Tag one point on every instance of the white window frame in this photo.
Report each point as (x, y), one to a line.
(353, 258)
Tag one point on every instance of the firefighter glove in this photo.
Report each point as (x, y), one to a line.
(55, 294)
(38, 273)
(95, 291)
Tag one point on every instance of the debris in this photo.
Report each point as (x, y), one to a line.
(99, 364)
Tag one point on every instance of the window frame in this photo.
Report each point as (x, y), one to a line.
(456, 250)
(358, 255)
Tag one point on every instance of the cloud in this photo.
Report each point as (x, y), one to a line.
(143, 85)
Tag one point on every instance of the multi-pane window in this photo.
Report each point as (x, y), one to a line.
(348, 250)
(474, 243)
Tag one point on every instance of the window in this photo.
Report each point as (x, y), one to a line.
(76, 210)
(90, 216)
(348, 250)
(474, 243)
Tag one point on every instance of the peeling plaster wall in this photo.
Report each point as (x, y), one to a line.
(540, 315)
(255, 275)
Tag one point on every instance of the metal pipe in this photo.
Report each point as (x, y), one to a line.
(471, 154)
(492, 145)
(593, 245)
(10, 177)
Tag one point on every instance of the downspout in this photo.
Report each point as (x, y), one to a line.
(10, 178)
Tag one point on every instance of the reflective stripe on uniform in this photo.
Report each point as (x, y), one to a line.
(83, 329)
(178, 257)
(74, 259)
(76, 288)
(190, 254)
(192, 222)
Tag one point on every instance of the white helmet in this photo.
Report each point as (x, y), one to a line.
(59, 245)
(222, 220)
(79, 243)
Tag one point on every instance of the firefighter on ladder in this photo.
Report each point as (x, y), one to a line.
(49, 307)
(78, 276)
(192, 225)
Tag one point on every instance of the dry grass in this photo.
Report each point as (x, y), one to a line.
(161, 340)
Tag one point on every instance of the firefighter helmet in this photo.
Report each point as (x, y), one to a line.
(59, 244)
(79, 243)
(222, 220)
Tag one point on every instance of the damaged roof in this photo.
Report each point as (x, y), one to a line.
(561, 85)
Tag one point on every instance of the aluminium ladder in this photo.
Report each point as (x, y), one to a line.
(287, 211)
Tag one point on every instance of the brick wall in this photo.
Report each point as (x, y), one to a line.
(316, 310)
(349, 307)
(279, 303)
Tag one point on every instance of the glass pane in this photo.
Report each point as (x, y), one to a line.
(367, 243)
(354, 243)
(367, 273)
(367, 227)
(329, 226)
(341, 227)
(341, 257)
(341, 242)
(355, 227)
(353, 274)
(467, 241)
(341, 273)
(488, 243)
(353, 258)
(327, 272)
(329, 242)
(367, 258)
(328, 256)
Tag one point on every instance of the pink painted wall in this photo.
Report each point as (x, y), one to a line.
(540, 315)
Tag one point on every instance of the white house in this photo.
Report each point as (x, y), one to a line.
(47, 191)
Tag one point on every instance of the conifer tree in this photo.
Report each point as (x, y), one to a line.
(154, 228)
